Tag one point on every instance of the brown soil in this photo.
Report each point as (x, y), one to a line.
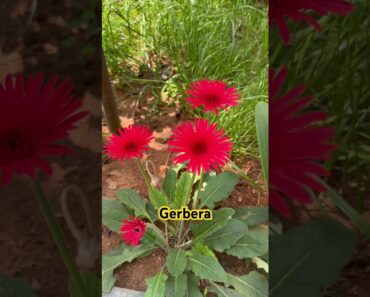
(118, 175)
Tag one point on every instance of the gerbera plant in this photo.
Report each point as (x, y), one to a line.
(34, 116)
(193, 187)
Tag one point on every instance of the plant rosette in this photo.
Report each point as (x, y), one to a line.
(190, 244)
(184, 217)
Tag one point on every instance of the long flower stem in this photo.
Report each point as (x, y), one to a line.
(143, 173)
(196, 195)
(58, 237)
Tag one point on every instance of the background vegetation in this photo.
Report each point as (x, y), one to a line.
(339, 80)
(166, 44)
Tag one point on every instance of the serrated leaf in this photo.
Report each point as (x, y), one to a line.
(226, 236)
(206, 267)
(217, 188)
(253, 284)
(308, 258)
(92, 284)
(117, 257)
(252, 216)
(153, 215)
(113, 212)
(169, 184)
(176, 261)
(13, 287)
(183, 190)
(202, 249)
(253, 244)
(156, 285)
(193, 289)
(176, 285)
(206, 228)
(221, 291)
(158, 198)
(132, 200)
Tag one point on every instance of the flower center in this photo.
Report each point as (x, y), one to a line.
(131, 147)
(211, 98)
(199, 148)
(137, 230)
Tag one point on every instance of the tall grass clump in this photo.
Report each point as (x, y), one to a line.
(214, 39)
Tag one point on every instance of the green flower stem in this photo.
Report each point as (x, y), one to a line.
(143, 173)
(58, 237)
(196, 195)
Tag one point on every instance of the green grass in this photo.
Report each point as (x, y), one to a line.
(339, 80)
(215, 39)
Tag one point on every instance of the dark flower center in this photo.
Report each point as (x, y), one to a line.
(131, 147)
(213, 99)
(137, 230)
(199, 148)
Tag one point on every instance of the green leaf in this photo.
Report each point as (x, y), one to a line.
(217, 188)
(132, 200)
(156, 285)
(201, 249)
(261, 263)
(113, 212)
(253, 243)
(226, 236)
(157, 198)
(193, 289)
(176, 285)
(206, 267)
(221, 291)
(117, 257)
(262, 124)
(13, 287)
(252, 216)
(253, 284)
(176, 261)
(308, 258)
(169, 184)
(206, 228)
(183, 190)
(153, 215)
(92, 284)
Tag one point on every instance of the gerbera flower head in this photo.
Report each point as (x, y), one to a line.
(132, 231)
(212, 95)
(201, 144)
(299, 10)
(130, 142)
(296, 145)
(33, 117)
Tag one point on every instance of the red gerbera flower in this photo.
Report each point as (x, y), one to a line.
(212, 94)
(296, 145)
(297, 10)
(131, 142)
(32, 118)
(202, 144)
(132, 231)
